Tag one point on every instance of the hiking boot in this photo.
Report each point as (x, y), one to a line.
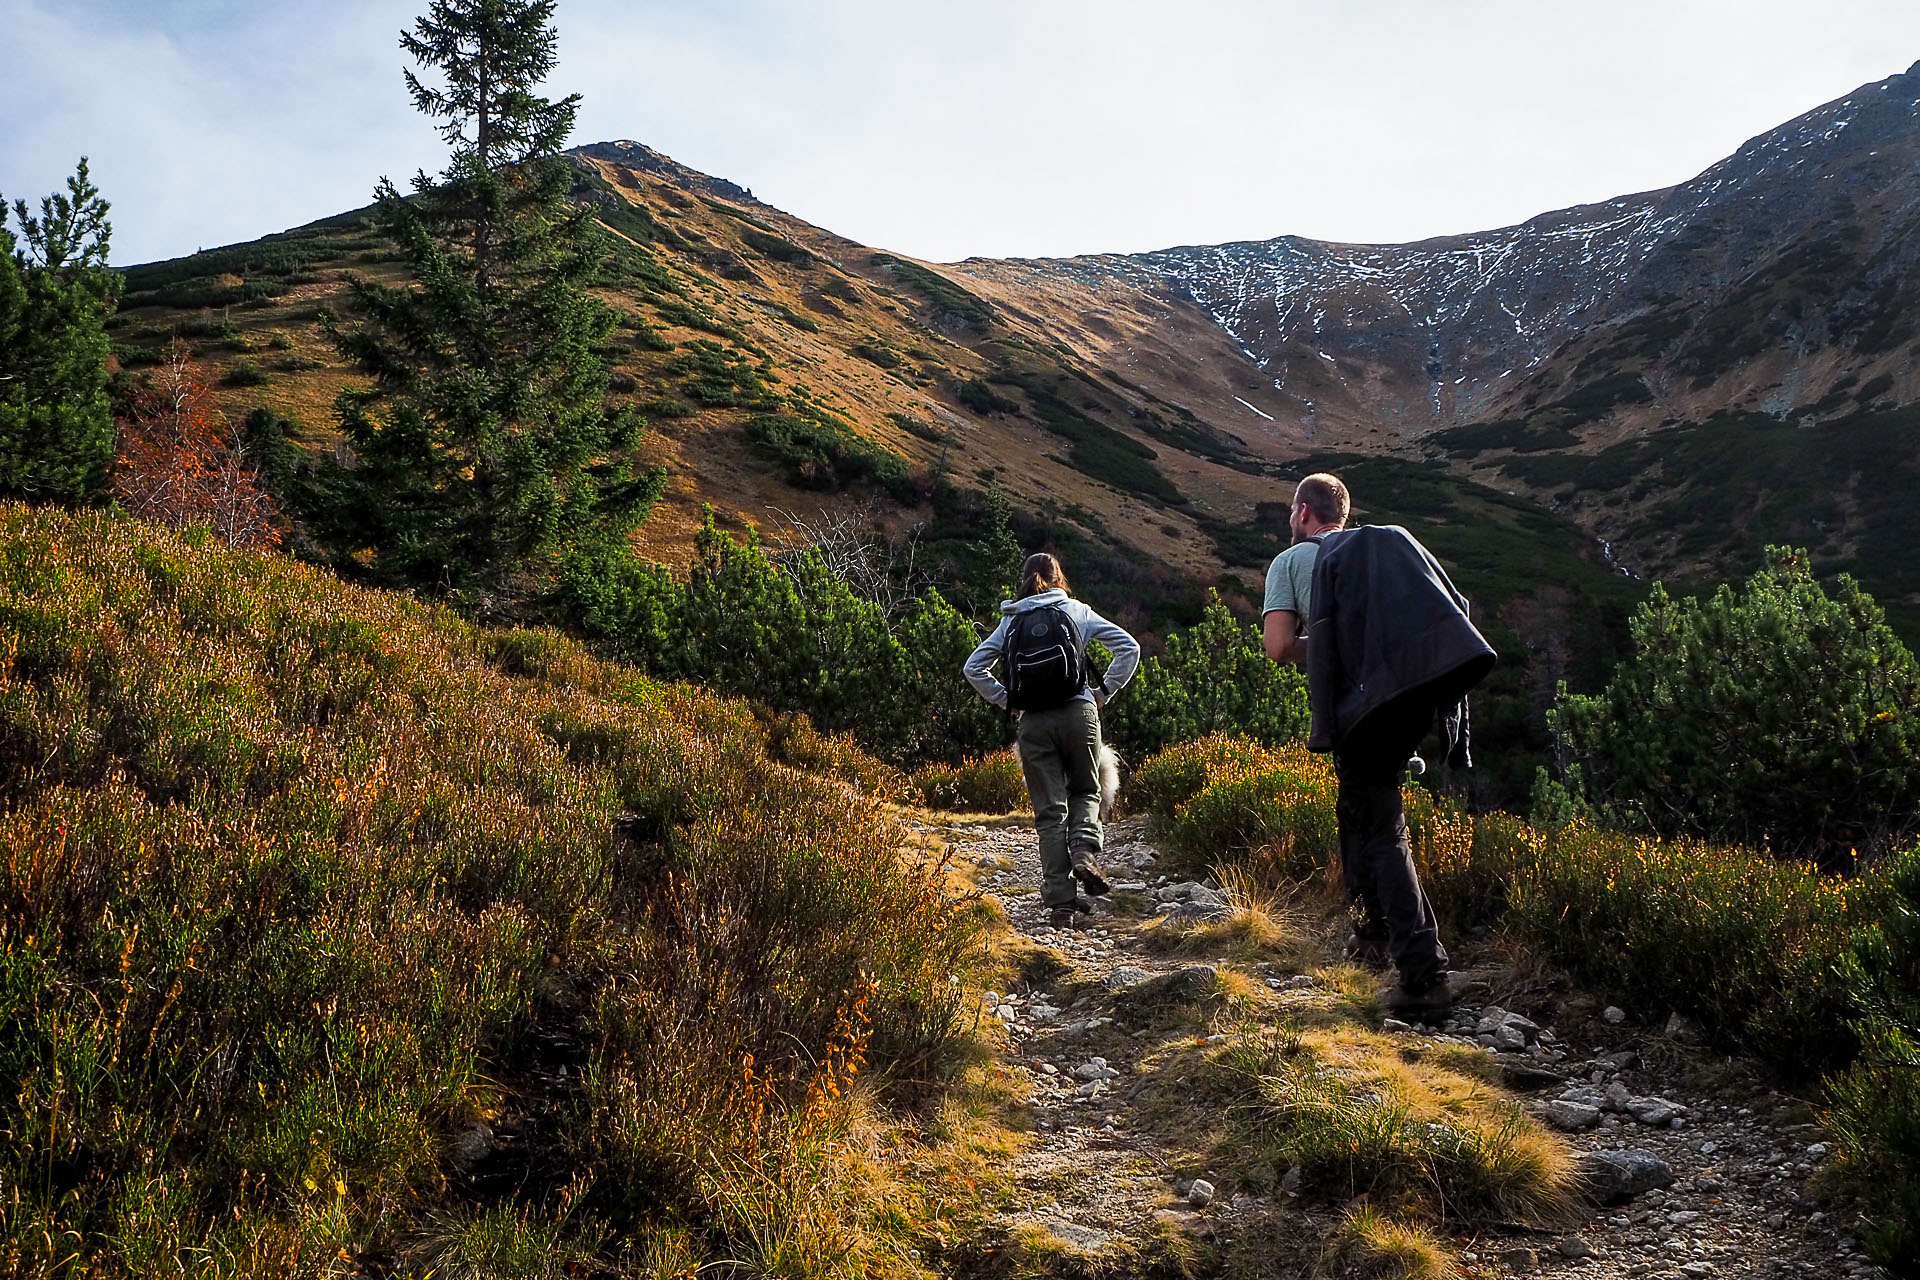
(1368, 953)
(1431, 1003)
(1091, 878)
(1070, 915)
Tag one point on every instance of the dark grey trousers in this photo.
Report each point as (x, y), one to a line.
(1060, 755)
(1376, 855)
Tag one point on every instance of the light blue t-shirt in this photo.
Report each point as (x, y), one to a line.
(1290, 581)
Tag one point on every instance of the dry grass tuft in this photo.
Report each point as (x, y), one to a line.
(1368, 1245)
(1358, 1118)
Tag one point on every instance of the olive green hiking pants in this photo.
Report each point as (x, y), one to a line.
(1060, 755)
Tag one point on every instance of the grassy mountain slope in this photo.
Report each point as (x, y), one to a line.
(786, 369)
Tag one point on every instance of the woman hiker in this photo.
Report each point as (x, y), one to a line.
(1041, 647)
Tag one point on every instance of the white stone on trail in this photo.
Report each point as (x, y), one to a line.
(1200, 1194)
(1614, 1014)
(1127, 975)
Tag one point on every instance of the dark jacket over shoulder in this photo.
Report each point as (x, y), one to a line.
(1386, 621)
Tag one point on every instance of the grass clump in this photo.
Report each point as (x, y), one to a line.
(301, 883)
(1356, 1118)
(990, 783)
(1368, 1245)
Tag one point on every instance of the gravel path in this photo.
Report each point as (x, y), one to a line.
(1107, 1183)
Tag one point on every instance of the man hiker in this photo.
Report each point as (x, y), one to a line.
(1389, 653)
(1041, 648)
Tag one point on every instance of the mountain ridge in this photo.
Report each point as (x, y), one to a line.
(1475, 313)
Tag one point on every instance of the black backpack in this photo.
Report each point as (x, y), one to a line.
(1042, 659)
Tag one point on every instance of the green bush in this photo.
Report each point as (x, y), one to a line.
(721, 378)
(1170, 778)
(1277, 814)
(1875, 1106)
(1779, 716)
(245, 373)
(300, 881)
(1215, 677)
(819, 451)
(1743, 944)
(877, 353)
(796, 638)
(983, 784)
(776, 247)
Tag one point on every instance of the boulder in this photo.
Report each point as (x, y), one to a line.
(1612, 1176)
(1572, 1116)
(1653, 1112)
(1520, 1075)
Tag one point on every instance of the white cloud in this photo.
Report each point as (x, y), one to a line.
(994, 127)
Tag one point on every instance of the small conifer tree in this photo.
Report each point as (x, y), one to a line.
(56, 423)
(485, 454)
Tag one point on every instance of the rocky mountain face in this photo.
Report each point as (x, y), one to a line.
(1765, 283)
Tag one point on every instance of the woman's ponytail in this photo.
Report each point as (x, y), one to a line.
(1041, 572)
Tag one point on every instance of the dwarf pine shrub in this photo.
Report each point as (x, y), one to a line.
(1214, 677)
(300, 883)
(1782, 715)
(795, 637)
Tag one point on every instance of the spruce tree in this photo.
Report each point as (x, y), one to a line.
(485, 455)
(56, 424)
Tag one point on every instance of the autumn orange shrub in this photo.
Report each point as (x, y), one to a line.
(179, 461)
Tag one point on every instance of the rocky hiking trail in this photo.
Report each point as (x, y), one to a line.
(1106, 1031)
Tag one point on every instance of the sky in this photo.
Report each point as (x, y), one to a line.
(994, 128)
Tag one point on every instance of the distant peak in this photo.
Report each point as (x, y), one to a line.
(641, 158)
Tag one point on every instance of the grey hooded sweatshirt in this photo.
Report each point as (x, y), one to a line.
(1090, 626)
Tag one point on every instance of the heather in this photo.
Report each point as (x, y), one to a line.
(335, 927)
